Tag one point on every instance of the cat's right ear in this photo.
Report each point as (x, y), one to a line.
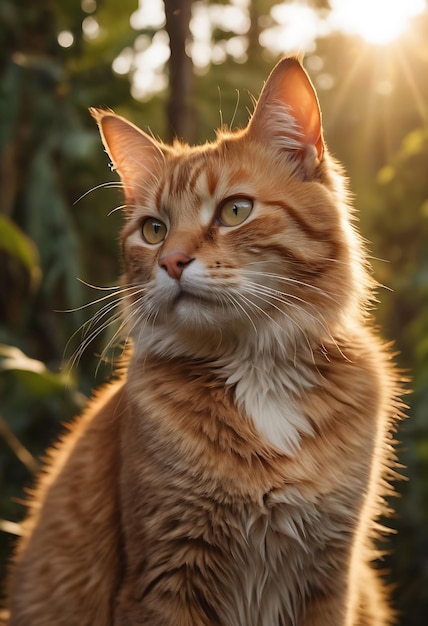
(135, 156)
(287, 114)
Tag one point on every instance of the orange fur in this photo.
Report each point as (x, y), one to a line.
(235, 474)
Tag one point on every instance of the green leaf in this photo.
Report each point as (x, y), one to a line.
(31, 373)
(16, 243)
(50, 224)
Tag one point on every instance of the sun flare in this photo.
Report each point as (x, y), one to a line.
(379, 22)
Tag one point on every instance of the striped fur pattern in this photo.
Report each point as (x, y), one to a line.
(234, 474)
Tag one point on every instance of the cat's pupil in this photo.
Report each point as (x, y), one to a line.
(235, 209)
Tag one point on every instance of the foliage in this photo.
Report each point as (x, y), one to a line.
(399, 222)
(52, 231)
(49, 156)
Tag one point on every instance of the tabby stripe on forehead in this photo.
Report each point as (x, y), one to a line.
(158, 196)
(194, 176)
(176, 180)
(212, 176)
(182, 175)
(307, 228)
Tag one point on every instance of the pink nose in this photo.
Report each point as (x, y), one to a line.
(174, 263)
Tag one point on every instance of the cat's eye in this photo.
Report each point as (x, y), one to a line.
(235, 211)
(153, 230)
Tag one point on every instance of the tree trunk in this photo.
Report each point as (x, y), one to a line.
(181, 118)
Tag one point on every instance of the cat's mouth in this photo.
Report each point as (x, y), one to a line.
(191, 298)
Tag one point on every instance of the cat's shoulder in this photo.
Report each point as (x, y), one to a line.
(101, 415)
(87, 449)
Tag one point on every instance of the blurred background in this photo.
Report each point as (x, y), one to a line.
(183, 68)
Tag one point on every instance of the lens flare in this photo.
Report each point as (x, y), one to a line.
(379, 22)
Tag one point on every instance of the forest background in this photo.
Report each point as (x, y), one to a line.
(184, 74)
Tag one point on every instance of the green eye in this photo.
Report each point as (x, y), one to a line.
(153, 230)
(235, 211)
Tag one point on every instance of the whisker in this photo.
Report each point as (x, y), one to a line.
(90, 338)
(293, 321)
(103, 288)
(118, 208)
(238, 96)
(236, 304)
(113, 184)
(93, 302)
(92, 328)
(319, 318)
(287, 279)
(84, 328)
(280, 296)
(134, 307)
(220, 107)
(98, 316)
(142, 318)
(260, 309)
(284, 298)
(135, 311)
(294, 281)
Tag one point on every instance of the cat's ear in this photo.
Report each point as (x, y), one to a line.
(135, 156)
(287, 113)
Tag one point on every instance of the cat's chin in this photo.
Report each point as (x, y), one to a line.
(200, 317)
(191, 308)
(191, 311)
(191, 299)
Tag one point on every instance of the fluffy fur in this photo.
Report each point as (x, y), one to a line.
(233, 475)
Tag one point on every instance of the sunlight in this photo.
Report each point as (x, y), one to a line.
(296, 26)
(293, 26)
(379, 22)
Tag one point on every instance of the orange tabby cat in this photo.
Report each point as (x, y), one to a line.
(233, 475)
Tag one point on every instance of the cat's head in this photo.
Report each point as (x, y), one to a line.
(245, 237)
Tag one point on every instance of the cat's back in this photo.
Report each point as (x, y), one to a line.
(70, 544)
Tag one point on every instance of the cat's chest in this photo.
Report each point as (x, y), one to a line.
(276, 561)
(270, 393)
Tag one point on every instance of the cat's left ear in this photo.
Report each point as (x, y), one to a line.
(137, 157)
(287, 114)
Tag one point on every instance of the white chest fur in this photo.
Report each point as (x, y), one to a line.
(267, 381)
(267, 390)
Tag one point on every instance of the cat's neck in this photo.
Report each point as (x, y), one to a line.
(267, 344)
(269, 371)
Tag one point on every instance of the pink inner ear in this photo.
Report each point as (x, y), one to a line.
(298, 92)
(290, 85)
